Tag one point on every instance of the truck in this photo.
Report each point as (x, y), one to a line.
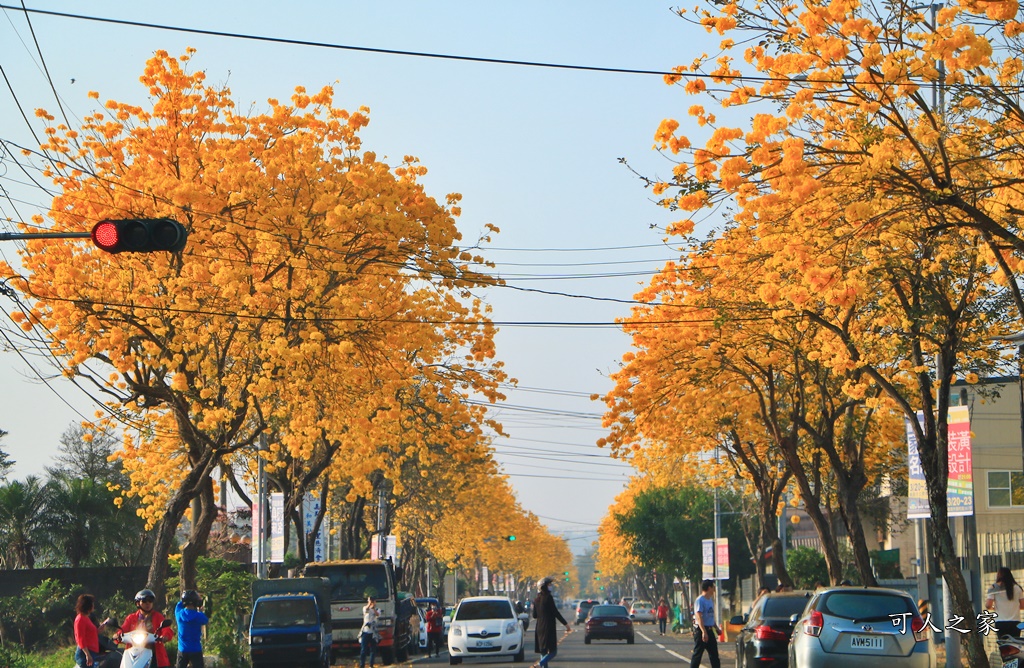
(291, 623)
(351, 583)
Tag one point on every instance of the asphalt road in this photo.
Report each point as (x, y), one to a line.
(650, 649)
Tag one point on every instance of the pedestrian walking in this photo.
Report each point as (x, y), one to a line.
(435, 628)
(705, 630)
(546, 613)
(662, 615)
(1007, 599)
(368, 633)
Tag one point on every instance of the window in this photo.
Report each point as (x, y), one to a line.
(1005, 489)
(471, 611)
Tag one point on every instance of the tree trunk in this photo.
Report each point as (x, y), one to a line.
(849, 495)
(812, 506)
(168, 524)
(204, 512)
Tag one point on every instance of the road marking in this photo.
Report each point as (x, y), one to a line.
(678, 656)
(659, 645)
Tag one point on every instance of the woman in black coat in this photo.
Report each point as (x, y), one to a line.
(546, 613)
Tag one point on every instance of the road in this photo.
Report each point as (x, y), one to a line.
(650, 650)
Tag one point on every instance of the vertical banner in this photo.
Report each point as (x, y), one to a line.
(257, 521)
(722, 559)
(485, 579)
(917, 490)
(960, 486)
(391, 548)
(277, 528)
(707, 568)
(310, 510)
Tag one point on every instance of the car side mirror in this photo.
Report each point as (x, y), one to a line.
(737, 620)
(794, 618)
(632, 616)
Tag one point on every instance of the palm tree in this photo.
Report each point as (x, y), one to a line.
(22, 521)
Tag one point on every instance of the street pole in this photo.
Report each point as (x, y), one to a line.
(714, 576)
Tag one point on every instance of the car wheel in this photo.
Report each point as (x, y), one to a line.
(520, 655)
(454, 660)
(387, 655)
(586, 640)
(630, 640)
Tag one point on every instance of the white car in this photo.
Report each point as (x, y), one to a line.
(643, 612)
(485, 626)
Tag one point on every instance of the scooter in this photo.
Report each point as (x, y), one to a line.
(111, 655)
(1011, 650)
(140, 653)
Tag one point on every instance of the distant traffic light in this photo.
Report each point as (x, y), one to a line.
(139, 235)
(565, 572)
(510, 538)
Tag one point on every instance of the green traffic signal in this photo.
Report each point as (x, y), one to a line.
(510, 538)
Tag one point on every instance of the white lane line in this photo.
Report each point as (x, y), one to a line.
(644, 637)
(659, 645)
(678, 656)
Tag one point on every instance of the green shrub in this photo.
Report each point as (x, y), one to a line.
(42, 615)
(11, 656)
(806, 566)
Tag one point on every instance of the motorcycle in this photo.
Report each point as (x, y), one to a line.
(1010, 649)
(140, 653)
(110, 655)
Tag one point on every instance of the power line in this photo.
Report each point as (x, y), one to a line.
(443, 56)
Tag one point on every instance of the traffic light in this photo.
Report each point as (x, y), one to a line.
(139, 235)
(510, 538)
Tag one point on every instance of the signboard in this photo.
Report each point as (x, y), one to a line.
(310, 510)
(485, 578)
(391, 548)
(917, 490)
(257, 521)
(707, 569)
(722, 559)
(277, 528)
(960, 485)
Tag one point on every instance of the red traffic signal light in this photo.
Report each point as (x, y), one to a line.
(139, 235)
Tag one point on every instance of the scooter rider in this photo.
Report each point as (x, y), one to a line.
(147, 617)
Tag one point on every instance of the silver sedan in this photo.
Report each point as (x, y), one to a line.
(861, 627)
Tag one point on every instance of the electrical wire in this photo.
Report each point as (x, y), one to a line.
(445, 56)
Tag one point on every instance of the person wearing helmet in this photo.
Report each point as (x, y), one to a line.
(148, 617)
(546, 613)
(191, 621)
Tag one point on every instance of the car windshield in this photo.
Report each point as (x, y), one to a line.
(784, 606)
(353, 582)
(865, 605)
(284, 612)
(639, 605)
(474, 610)
(609, 611)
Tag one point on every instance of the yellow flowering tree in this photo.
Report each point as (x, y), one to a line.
(879, 175)
(308, 261)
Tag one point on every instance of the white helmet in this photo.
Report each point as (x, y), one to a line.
(545, 583)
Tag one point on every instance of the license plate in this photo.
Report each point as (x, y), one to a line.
(609, 624)
(867, 642)
(483, 643)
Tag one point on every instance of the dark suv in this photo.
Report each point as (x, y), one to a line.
(764, 639)
(582, 609)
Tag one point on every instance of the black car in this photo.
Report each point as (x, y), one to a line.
(582, 609)
(609, 622)
(764, 639)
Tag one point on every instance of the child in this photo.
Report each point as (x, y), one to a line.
(190, 628)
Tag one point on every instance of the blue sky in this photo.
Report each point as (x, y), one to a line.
(534, 151)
